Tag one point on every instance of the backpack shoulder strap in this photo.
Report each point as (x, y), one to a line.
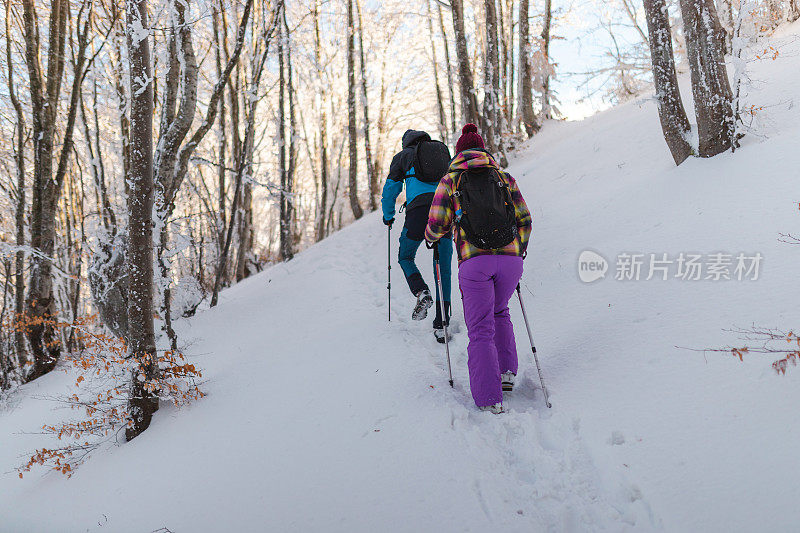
(501, 177)
(458, 183)
(507, 188)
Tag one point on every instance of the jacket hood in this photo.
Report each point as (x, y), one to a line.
(469, 159)
(412, 137)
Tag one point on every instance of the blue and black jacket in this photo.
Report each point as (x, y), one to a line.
(418, 193)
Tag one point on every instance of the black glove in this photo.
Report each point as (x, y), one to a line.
(388, 222)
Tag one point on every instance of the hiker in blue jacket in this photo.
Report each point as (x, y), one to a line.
(419, 195)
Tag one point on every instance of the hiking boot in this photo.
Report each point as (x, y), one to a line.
(494, 409)
(424, 302)
(439, 334)
(437, 321)
(507, 380)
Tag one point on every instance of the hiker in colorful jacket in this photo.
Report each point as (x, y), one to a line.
(419, 195)
(487, 277)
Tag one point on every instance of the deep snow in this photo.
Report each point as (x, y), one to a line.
(321, 416)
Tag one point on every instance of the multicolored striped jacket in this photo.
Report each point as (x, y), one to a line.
(442, 216)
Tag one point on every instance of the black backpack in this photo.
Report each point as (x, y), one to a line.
(487, 216)
(431, 161)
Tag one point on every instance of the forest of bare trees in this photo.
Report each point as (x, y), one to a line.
(156, 151)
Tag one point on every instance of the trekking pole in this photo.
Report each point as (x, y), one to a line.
(389, 267)
(441, 309)
(533, 348)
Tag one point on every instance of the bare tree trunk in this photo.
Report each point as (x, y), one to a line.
(435, 65)
(674, 123)
(358, 212)
(19, 159)
(529, 121)
(547, 112)
(450, 81)
(710, 86)
(6, 361)
(244, 215)
(469, 101)
(41, 301)
(323, 141)
(74, 215)
(141, 333)
(176, 120)
(502, 51)
(490, 97)
(45, 97)
(222, 134)
(291, 211)
(285, 203)
(492, 114)
(382, 119)
(372, 172)
(510, 71)
(119, 87)
(236, 88)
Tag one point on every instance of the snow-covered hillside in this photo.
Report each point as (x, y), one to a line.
(321, 416)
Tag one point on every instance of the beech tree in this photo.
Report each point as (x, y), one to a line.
(323, 133)
(19, 161)
(372, 172)
(352, 133)
(492, 129)
(674, 123)
(286, 144)
(45, 94)
(547, 111)
(435, 66)
(711, 90)
(450, 78)
(528, 117)
(469, 100)
(705, 45)
(141, 331)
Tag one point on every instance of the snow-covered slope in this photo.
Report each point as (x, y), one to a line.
(321, 416)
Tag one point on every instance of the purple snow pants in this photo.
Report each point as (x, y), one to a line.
(487, 283)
